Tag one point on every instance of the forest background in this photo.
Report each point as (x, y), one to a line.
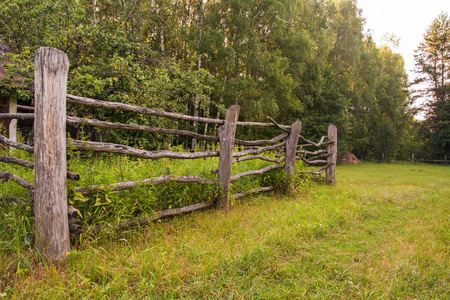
(305, 60)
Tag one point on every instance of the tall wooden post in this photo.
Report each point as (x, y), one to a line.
(227, 134)
(332, 151)
(291, 153)
(412, 159)
(50, 208)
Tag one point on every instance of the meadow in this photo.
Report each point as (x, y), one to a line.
(382, 232)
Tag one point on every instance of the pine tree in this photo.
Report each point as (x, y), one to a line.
(433, 64)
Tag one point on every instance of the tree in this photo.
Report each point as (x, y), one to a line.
(294, 60)
(111, 56)
(433, 66)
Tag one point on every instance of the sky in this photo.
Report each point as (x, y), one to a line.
(406, 19)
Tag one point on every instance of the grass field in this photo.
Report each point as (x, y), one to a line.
(382, 232)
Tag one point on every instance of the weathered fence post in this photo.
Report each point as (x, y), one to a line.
(226, 133)
(332, 151)
(291, 152)
(445, 160)
(50, 207)
(412, 159)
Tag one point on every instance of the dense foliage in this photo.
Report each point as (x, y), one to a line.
(433, 66)
(291, 59)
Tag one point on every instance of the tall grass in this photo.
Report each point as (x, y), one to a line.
(145, 199)
(381, 232)
(111, 207)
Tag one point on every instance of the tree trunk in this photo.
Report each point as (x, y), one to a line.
(199, 65)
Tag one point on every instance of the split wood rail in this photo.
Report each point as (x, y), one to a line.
(49, 191)
(321, 156)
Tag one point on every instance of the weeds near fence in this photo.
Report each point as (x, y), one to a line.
(381, 232)
(54, 219)
(112, 207)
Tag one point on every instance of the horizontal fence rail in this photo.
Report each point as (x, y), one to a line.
(120, 186)
(415, 159)
(123, 149)
(52, 229)
(157, 113)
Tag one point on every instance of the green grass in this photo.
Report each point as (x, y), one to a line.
(382, 232)
(114, 206)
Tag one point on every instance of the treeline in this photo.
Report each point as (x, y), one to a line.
(305, 60)
(433, 67)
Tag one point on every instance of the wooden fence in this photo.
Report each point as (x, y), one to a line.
(429, 161)
(414, 159)
(49, 191)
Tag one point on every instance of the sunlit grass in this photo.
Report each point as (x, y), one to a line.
(381, 232)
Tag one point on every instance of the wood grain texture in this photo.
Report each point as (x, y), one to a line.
(304, 152)
(30, 165)
(11, 143)
(17, 161)
(255, 172)
(50, 208)
(147, 219)
(282, 127)
(19, 180)
(259, 151)
(320, 171)
(253, 191)
(315, 145)
(74, 121)
(332, 150)
(123, 149)
(126, 185)
(278, 161)
(291, 152)
(152, 112)
(17, 116)
(261, 142)
(311, 143)
(142, 110)
(311, 161)
(227, 134)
